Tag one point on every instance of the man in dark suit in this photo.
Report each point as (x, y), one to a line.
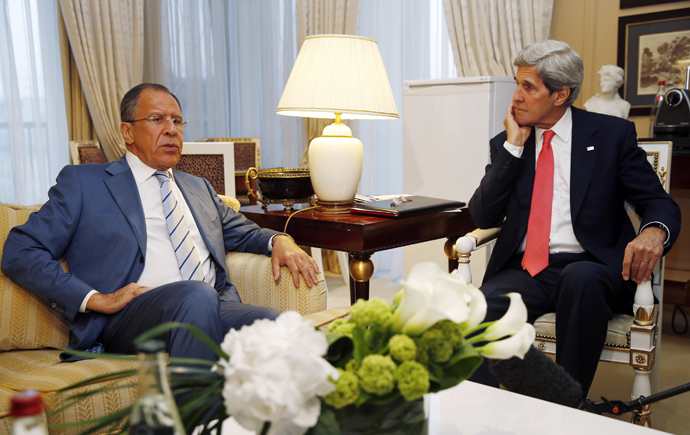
(566, 243)
(129, 270)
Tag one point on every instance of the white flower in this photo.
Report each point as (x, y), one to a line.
(275, 373)
(430, 295)
(512, 320)
(517, 345)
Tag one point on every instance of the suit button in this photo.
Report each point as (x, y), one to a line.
(53, 305)
(141, 259)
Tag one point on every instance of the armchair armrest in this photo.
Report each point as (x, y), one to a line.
(252, 274)
(470, 242)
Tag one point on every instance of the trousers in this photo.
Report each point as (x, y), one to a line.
(191, 302)
(583, 293)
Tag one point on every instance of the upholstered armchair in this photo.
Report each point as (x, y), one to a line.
(632, 339)
(31, 334)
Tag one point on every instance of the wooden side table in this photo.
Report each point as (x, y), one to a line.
(361, 235)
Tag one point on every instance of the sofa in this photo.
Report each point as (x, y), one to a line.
(32, 334)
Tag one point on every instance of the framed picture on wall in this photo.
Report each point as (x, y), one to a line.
(652, 47)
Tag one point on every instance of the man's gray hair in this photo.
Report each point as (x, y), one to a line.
(557, 64)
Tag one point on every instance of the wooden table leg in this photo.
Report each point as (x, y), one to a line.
(361, 270)
(451, 253)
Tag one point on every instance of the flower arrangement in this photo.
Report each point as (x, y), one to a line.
(286, 377)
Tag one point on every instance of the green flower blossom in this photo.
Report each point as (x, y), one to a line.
(412, 379)
(439, 349)
(377, 374)
(346, 390)
(341, 326)
(352, 366)
(372, 312)
(402, 348)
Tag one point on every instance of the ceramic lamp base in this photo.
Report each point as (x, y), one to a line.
(335, 168)
(333, 207)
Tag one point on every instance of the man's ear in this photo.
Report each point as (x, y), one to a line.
(562, 96)
(127, 133)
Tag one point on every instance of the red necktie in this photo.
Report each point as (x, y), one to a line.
(536, 256)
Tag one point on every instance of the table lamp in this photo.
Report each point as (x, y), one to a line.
(340, 77)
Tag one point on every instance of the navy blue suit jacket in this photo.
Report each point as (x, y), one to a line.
(94, 219)
(607, 167)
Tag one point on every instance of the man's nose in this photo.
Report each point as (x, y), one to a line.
(169, 127)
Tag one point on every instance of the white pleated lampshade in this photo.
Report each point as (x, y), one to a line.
(338, 74)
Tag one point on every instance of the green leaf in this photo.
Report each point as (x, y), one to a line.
(326, 424)
(196, 332)
(117, 417)
(361, 348)
(100, 378)
(91, 355)
(460, 367)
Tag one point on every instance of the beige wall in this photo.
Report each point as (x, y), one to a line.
(590, 27)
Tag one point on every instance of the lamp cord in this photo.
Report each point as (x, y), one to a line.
(298, 211)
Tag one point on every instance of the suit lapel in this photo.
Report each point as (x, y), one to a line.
(583, 156)
(125, 193)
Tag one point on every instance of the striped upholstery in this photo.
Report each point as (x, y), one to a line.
(30, 332)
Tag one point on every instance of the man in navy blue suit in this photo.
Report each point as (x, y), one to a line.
(590, 259)
(108, 221)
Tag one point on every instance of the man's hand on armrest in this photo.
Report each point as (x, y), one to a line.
(113, 302)
(642, 254)
(287, 253)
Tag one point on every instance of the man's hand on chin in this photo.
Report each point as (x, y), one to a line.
(111, 303)
(516, 134)
(642, 254)
(287, 253)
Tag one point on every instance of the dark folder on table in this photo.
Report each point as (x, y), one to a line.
(413, 205)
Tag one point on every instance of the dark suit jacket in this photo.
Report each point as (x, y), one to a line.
(94, 219)
(615, 169)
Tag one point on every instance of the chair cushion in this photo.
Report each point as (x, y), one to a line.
(43, 371)
(617, 335)
(26, 322)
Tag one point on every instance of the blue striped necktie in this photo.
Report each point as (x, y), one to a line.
(187, 257)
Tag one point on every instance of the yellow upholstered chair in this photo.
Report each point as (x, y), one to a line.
(631, 339)
(31, 332)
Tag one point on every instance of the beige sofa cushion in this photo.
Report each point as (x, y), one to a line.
(43, 371)
(26, 322)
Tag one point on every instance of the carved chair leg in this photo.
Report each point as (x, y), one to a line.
(642, 387)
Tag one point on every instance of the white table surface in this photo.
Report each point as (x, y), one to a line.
(474, 409)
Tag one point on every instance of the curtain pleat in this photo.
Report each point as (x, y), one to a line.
(487, 35)
(107, 39)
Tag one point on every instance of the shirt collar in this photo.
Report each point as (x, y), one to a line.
(141, 170)
(563, 128)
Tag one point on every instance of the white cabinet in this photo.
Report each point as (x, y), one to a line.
(447, 125)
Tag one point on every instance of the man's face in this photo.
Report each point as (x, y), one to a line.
(158, 146)
(533, 105)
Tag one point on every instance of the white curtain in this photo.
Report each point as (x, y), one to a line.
(414, 45)
(228, 62)
(486, 35)
(107, 39)
(33, 126)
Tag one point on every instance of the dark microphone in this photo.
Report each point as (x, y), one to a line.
(537, 376)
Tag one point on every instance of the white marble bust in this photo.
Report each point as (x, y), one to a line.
(608, 101)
